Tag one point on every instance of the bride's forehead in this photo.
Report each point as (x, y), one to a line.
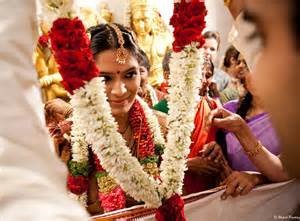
(107, 63)
(108, 58)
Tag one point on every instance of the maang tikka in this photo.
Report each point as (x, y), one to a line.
(121, 54)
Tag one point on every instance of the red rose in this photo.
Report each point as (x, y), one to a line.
(196, 22)
(70, 46)
(79, 58)
(43, 40)
(68, 34)
(188, 21)
(171, 210)
(98, 166)
(113, 200)
(77, 24)
(196, 8)
(73, 84)
(77, 184)
(58, 42)
(77, 39)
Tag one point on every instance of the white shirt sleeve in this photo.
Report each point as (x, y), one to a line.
(32, 179)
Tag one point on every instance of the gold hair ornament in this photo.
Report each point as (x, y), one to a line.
(121, 54)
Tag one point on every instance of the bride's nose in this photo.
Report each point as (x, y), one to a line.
(118, 88)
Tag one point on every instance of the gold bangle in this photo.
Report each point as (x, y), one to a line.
(227, 3)
(256, 150)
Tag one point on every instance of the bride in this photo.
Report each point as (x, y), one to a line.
(121, 73)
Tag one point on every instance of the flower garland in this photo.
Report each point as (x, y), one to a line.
(97, 126)
(43, 40)
(111, 195)
(185, 67)
(109, 146)
(76, 65)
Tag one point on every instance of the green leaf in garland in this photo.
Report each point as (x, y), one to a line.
(101, 174)
(78, 169)
(150, 159)
(159, 149)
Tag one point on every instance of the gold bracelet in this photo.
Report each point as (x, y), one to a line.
(256, 150)
(227, 3)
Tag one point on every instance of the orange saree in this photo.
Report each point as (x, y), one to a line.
(202, 134)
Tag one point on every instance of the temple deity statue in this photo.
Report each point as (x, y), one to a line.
(106, 15)
(152, 36)
(89, 16)
(92, 17)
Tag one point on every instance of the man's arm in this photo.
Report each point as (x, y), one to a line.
(32, 178)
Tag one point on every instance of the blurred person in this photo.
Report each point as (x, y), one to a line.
(240, 153)
(162, 105)
(211, 47)
(151, 95)
(279, 61)
(32, 178)
(251, 109)
(208, 87)
(235, 65)
(166, 71)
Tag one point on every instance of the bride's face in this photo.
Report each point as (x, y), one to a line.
(122, 80)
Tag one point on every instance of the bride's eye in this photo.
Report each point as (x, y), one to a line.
(106, 77)
(130, 74)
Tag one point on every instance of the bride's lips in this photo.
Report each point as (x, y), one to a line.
(119, 102)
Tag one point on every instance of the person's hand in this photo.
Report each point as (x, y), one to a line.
(203, 166)
(213, 90)
(46, 81)
(57, 110)
(239, 183)
(203, 89)
(212, 151)
(227, 120)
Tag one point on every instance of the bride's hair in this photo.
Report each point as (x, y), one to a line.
(104, 37)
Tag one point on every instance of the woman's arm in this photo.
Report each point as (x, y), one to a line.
(266, 162)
